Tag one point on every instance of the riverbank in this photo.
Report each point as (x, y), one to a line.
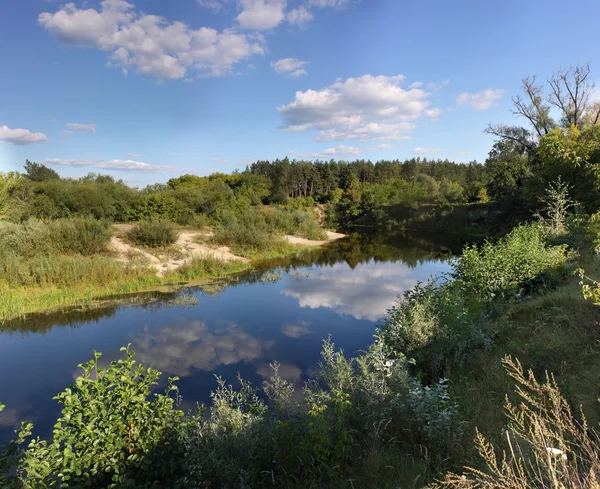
(127, 269)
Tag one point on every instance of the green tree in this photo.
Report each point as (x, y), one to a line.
(37, 172)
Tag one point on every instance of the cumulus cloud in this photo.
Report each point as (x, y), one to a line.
(364, 108)
(261, 14)
(119, 165)
(150, 43)
(291, 67)
(81, 127)
(424, 151)
(337, 152)
(481, 100)
(299, 16)
(21, 137)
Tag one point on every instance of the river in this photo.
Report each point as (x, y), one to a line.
(280, 312)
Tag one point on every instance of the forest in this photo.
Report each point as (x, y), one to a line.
(486, 377)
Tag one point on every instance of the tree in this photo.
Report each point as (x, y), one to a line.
(37, 172)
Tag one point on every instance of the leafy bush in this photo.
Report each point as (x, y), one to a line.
(434, 325)
(502, 269)
(112, 432)
(308, 227)
(155, 232)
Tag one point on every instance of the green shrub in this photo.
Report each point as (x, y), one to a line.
(308, 227)
(434, 325)
(243, 237)
(504, 268)
(113, 432)
(154, 233)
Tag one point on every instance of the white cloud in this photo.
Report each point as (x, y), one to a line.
(149, 43)
(291, 67)
(416, 84)
(119, 165)
(462, 153)
(133, 155)
(338, 151)
(481, 100)
(382, 146)
(424, 151)
(329, 3)
(214, 5)
(299, 16)
(261, 14)
(21, 137)
(365, 108)
(81, 127)
(437, 86)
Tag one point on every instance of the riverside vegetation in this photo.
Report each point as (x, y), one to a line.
(404, 412)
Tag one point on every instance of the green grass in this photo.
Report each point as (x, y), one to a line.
(78, 281)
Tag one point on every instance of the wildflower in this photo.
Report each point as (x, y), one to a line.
(389, 363)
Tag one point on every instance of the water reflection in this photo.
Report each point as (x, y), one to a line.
(280, 312)
(363, 292)
(179, 349)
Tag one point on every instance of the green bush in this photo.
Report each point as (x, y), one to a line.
(436, 327)
(113, 432)
(243, 238)
(308, 227)
(154, 233)
(505, 268)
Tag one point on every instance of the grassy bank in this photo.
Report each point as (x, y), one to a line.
(48, 266)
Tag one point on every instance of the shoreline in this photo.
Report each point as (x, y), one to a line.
(19, 303)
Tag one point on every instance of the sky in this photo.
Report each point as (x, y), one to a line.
(146, 90)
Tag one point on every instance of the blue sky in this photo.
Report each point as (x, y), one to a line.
(148, 89)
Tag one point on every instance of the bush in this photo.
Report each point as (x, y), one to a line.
(504, 268)
(244, 238)
(113, 432)
(434, 325)
(154, 233)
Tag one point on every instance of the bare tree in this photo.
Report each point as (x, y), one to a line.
(571, 91)
(532, 107)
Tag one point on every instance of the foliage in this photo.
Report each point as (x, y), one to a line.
(546, 445)
(36, 172)
(154, 233)
(504, 268)
(440, 323)
(113, 432)
(69, 236)
(10, 453)
(556, 204)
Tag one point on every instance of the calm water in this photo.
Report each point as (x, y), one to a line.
(281, 312)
